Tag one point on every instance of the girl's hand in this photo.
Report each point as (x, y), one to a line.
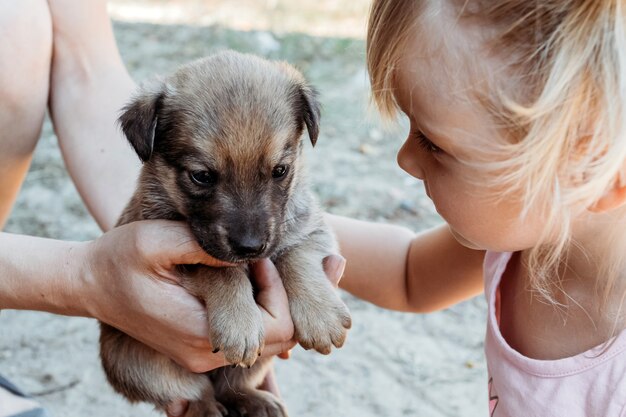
(129, 281)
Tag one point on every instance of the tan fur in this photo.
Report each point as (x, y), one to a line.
(237, 117)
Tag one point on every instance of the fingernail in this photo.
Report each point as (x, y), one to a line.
(338, 267)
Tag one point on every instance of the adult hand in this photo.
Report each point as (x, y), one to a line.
(334, 266)
(129, 281)
(271, 290)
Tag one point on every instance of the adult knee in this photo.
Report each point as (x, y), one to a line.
(25, 58)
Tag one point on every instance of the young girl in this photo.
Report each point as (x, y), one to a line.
(516, 113)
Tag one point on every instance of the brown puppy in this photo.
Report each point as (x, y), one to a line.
(221, 143)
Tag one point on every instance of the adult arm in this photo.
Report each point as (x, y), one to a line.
(89, 84)
(127, 278)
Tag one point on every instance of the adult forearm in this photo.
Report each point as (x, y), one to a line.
(128, 278)
(89, 86)
(40, 274)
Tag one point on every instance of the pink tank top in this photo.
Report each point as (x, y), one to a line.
(590, 384)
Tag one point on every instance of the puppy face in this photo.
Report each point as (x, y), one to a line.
(220, 141)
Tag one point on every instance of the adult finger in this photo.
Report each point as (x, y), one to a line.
(269, 383)
(185, 248)
(278, 348)
(174, 244)
(271, 292)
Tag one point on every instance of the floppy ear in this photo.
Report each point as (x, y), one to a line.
(310, 110)
(139, 121)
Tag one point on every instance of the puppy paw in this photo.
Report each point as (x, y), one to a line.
(253, 403)
(320, 322)
(238, 334)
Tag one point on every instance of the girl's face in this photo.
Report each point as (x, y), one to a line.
(436, 87)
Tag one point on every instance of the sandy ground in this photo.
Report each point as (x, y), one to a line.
(393, 364)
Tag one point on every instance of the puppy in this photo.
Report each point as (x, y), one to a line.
(220, 142)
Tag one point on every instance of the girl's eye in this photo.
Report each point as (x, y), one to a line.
(203, 178)
(425, 143)
(280, 171)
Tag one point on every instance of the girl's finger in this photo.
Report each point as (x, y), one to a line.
(285, 355)
(175, 243)
(334, 266)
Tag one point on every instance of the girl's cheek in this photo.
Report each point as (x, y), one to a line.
(448, 197)
(436, 191)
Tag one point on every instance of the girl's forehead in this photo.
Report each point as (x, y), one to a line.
(440, 88)
(455, 51)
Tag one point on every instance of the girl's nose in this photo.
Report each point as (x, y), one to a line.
(409, 160)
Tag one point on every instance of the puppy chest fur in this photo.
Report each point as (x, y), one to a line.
(221, 143)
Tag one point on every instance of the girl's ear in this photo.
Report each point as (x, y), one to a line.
(613, 197)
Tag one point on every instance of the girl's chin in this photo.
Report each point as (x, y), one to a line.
(464, 241)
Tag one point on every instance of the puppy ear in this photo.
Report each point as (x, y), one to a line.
(139, 121)
(310, 110)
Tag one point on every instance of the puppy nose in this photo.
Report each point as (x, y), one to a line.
(248, 245)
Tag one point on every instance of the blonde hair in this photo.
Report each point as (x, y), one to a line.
(568, 138)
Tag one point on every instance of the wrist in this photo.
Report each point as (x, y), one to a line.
(40, 274)
(78, 280)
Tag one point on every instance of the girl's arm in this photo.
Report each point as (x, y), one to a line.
(393, 268)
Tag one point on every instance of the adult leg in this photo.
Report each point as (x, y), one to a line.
(25, 54)
(89, 86)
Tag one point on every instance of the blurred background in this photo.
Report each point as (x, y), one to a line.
(393, 364)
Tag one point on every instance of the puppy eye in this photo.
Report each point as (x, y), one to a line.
(203, 178)
(280, 171)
